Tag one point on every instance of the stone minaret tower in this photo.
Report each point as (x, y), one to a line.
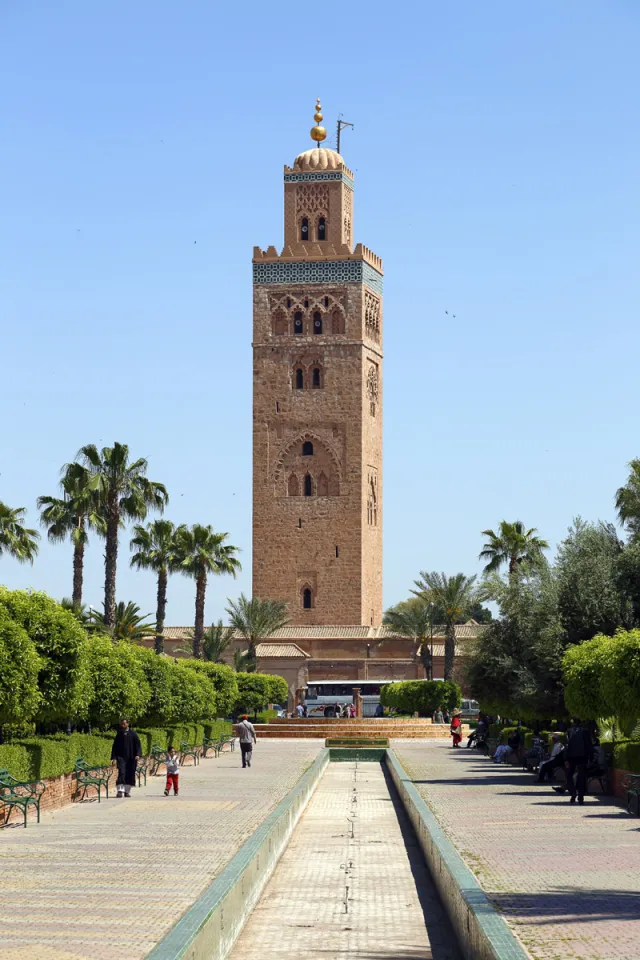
(317, 404)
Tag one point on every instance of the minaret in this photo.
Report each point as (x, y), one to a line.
(317, 404)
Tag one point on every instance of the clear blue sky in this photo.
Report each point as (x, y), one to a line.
(496, 150)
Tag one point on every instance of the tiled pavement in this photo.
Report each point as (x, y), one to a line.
(351, 883)
(108, 880)
(566, 877)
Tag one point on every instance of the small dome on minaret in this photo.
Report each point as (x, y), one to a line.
(318, 158)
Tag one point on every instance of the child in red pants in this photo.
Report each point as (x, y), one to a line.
(173, 765)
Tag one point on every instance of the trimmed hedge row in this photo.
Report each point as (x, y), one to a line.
(421, 696)
(626, 756)
(37, 758)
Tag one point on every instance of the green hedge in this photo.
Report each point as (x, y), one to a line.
(421, 696)
(626, 756)
(264, 716)
(36, 758)
(506, 732)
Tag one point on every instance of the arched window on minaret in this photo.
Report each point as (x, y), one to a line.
(307, 449)
(308, 486)
(307, 599)
(299, 379)
(304, 229)
(317, 322)
(298, 326)
(322, 229)
(315, 378)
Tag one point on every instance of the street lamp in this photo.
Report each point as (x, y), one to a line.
(431, 640)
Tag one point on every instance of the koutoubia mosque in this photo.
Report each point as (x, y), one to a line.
(318, 324)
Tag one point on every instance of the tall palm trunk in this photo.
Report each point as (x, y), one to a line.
(161, 608)
(198, 632)
(78, 575)
(111, 559)
(449, 650)
(251, 661)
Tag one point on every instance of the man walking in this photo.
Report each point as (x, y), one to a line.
(247, 737)
(125, 753)
(577, 754)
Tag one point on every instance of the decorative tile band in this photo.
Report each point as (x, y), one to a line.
(314, 177)
(318, 271)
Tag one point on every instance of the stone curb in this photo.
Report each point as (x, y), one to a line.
(210, 927)
(482, 933)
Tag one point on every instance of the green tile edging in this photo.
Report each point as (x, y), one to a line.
(482, 933)
(210, 927)
(363, 754)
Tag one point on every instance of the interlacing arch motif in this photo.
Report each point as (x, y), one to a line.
(312, 199)
(347, 216)
(315, 439)
(285, 308)
(372, 316)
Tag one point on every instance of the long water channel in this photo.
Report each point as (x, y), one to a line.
(352, 882)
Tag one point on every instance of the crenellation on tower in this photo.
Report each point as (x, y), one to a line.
(317, 475)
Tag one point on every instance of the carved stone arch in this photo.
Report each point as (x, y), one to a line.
(293, 486)
(315, 439)
(322, 485)
(279, 323)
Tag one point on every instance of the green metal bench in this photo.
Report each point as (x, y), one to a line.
(87, 777)
(20, 794)
(631, 786)
(142, 769)
(492, 745)
(228, 738)
(189, 750)
(210, 744)
(158, 757)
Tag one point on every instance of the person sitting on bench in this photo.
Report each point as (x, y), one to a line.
(545, 770)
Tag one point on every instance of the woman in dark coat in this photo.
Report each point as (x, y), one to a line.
(125, 753)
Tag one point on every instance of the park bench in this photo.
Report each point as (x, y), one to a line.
(87, 777)
(189, 750)
(157, 758)
(142, 769)
(210, 743)
(230, 739)
(631, 786)
(492, 745)
(20, 794)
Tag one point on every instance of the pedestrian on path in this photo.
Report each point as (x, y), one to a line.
(438, 716)
(125, 753)
(577, 754)
(173, 766)
(456, 728)
(247, 737)
(300, 711)
(556, 758)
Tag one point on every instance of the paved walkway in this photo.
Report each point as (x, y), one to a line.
(352, 882)
(108, 880)
(566, 877)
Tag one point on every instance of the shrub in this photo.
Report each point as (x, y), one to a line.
(60, 642)
(254, 691)
(507, 732)
(264, 716)
(194, 697)
(19, 668)
(119, 687)
(626, 756)
(602, 678)
(278, 689)
(158, 673)
(15, 758)
(224, 683)
(423, 696)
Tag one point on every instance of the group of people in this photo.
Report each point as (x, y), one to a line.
(126, 752)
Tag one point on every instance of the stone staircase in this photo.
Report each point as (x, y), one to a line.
(320, 727)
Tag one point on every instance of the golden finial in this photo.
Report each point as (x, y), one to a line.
(318, 133)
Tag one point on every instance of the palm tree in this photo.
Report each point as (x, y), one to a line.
(70, 516)
(199, 552)
(454, 596)
(216, 641)
(129, 623)
(16, 540)
(512, 545)
(415, 621)
(255, 620)
(628, 500)
(155, 547)
(124, 493)
(240, 661)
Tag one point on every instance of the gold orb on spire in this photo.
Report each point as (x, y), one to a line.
(318, 133)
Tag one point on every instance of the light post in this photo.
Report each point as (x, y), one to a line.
(431, 641)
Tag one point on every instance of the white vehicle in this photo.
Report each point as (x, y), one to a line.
(322, 696)
(470, 710)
